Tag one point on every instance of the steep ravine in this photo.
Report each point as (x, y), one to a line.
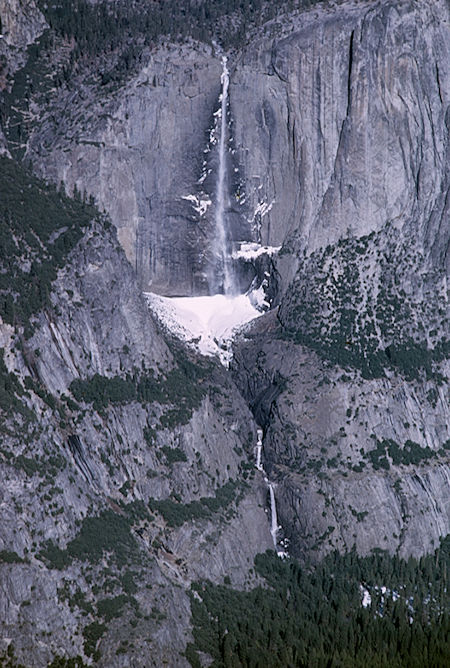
(356, 461)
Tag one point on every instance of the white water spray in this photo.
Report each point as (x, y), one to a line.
(274, 520)
(274, 526)
(259, 433)
(222, 236)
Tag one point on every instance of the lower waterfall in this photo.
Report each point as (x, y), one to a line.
(274, 526)
(274, 520)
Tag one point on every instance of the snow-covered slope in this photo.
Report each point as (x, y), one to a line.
(206, 323)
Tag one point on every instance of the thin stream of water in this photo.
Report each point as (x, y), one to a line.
(274, 526)
(221, 189)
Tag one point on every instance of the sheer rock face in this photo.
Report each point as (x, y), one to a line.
(139, 152)
(21, 24)
(338, 121)
(64, 463)
(337, 446)
(340, 132)
(346, 127)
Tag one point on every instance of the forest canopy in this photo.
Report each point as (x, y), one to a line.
(104, 24)
(313, 616)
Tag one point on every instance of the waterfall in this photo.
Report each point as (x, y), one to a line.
(274, 526)
(274, 519)
(259, 433)
(223, 242)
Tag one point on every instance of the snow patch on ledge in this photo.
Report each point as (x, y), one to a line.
(208, 324)
(199, 204)
(250, 250)
(261, 210)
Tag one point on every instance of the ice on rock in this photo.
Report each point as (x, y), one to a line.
(258, 298)
(261, 209)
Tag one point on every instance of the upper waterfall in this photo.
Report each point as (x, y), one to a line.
(223, 241)
(208, 323)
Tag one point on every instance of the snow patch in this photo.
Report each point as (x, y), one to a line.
(261, 210)
(385, 594)
(199, 204)
(249, 250)
(366, 599)
(258, 297)
(208, 324)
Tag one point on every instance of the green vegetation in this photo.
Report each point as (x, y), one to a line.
(47, 467)
(29, 465)
(173, 455)
(109, 608)
(128, 582)
(104, 609)
(92, 634)
(10, 388)
(334, 309)
(8, 557)
(101, 44)
(34, 81)
(312, 616)
(127, 485)
(176, 513)
(49, 399)
(109, 533)
(38, 229)
(75, 600)
(101, 391)
(149, 435)
(177, 387)
(108, 26)
(411, 453)
(8, 660)
(62, 662)
(360, 516)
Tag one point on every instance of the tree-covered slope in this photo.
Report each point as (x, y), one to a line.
(39, 227)
(124, 459)
(378, 611)
(106, 42)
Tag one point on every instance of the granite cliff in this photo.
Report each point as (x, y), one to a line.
(125, 462)
(129, 462)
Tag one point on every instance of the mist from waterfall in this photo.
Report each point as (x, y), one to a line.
(223, 248)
